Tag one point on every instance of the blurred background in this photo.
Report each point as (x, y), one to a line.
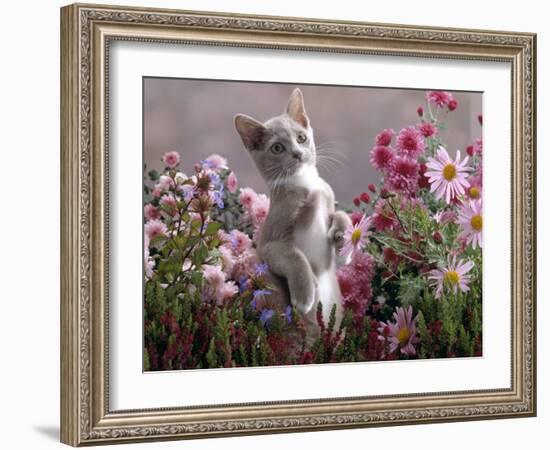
(195, 118)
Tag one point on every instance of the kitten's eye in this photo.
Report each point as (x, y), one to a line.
(301, 138)
(277, 148)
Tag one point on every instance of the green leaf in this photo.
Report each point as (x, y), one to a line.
(212, 228)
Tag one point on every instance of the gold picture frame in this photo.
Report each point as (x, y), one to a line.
(86, 33)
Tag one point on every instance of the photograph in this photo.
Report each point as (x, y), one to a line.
(288, 224)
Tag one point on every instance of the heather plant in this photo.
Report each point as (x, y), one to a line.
(412, 287)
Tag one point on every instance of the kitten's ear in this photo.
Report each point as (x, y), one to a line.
(250, 130)
(296, 109)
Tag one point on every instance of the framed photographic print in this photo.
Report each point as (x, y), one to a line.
(275, 224)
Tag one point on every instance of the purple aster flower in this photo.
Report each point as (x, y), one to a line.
(217, 197)
(261, 269)
(288, 314)
(207, 164)
(243, 284)
(215, 179)
(266, 316)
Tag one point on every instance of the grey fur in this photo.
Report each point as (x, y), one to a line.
(298, 195)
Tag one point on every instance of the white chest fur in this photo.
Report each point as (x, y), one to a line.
(311, 238)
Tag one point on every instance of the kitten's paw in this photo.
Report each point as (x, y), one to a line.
(339, 222)
(304, 301)
(305, 307)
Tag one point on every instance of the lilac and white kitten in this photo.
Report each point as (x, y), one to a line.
(302, 232)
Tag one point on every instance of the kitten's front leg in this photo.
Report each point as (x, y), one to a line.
(287, 261)
(339, 221)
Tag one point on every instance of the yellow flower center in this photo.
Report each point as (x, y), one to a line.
(474, 192)
(355, 236)
(402, 335)
(449, 172)
(452, 277)
(476, 222)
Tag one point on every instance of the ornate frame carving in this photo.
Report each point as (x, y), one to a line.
(86, 31)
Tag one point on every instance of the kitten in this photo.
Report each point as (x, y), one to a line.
(302, 233)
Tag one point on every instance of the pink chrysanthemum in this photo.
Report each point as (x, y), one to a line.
(355, 281)
(383, 218)
(259, 210)
(470, 218)
(240, 242)
(355, 237)
(151, 212)
(439, 98)
(154, 228)
(231, 182)
(453, 277)
(403, 175)
(226, 291)
(228, 260)
(427, 129)
(447, 216)
(447, 177)
(169, 203)
(475, 190)
(216, 162)
(402, 333)
(247, 197)
(214, 275)
(410, 142)
(384, 137)
(165, 183)
(171, 159)
(381, 157)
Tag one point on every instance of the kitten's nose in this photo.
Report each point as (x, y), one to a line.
(298, 155)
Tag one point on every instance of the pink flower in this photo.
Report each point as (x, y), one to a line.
(231, 182)
(384, 137)
(403, 175)
(170, 204)
(476, 187)
(427, 129)
(355, 237)
(151, 212)
(213, 275)
(439, 98)
(402, 332)
(447, 177)
(171, 159)
(410, 142)
(215, 162)
(245, 264)
(453, 277)
(452, 104)
(447, 216)
(470, 218)
(240, 242)
(165, 183)
(259, 210)
(356, 217)
(355, 284)
(383, 217)
(154, 228)
(247, 197)
(226, 291)
(228, 260)
(381, 157)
